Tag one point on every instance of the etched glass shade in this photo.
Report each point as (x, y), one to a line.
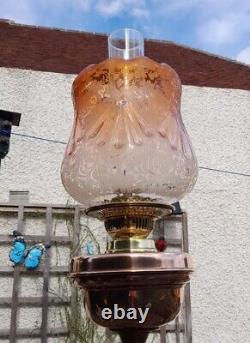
(128, 138)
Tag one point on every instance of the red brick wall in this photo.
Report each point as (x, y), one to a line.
(36, 48)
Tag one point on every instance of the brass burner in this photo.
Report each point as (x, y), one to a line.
(129, 219)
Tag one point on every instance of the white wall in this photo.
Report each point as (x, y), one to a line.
(218, 123)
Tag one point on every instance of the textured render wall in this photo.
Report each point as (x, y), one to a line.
(218, 123)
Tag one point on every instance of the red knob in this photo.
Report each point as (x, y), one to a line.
(161, 244)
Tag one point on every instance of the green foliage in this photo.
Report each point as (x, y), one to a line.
(81, 328)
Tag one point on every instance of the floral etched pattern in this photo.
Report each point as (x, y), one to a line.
(123, 102)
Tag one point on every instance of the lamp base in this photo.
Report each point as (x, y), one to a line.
(152, 281)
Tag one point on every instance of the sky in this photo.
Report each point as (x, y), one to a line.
(221, 27)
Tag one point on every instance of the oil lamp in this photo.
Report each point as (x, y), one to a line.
(128, 158)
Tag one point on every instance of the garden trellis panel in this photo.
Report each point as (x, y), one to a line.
(13, 216)
(46, 269)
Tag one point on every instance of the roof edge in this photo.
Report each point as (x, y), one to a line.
(54, 50)
(102, 34)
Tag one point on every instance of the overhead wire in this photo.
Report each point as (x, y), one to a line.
(64, 143)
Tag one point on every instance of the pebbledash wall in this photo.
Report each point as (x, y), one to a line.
(217, 120)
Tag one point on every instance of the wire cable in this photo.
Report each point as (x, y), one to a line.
(225, 171)
(38, 138)
(61, 142)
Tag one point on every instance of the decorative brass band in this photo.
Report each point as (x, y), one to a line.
(129, 219)
(131, 245)
(119, 209)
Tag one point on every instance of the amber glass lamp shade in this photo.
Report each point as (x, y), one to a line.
(128, 139)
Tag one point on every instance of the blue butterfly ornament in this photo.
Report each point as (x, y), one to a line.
(18, 248)
(19, 254)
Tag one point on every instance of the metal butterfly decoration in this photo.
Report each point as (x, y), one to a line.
(20, 254)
